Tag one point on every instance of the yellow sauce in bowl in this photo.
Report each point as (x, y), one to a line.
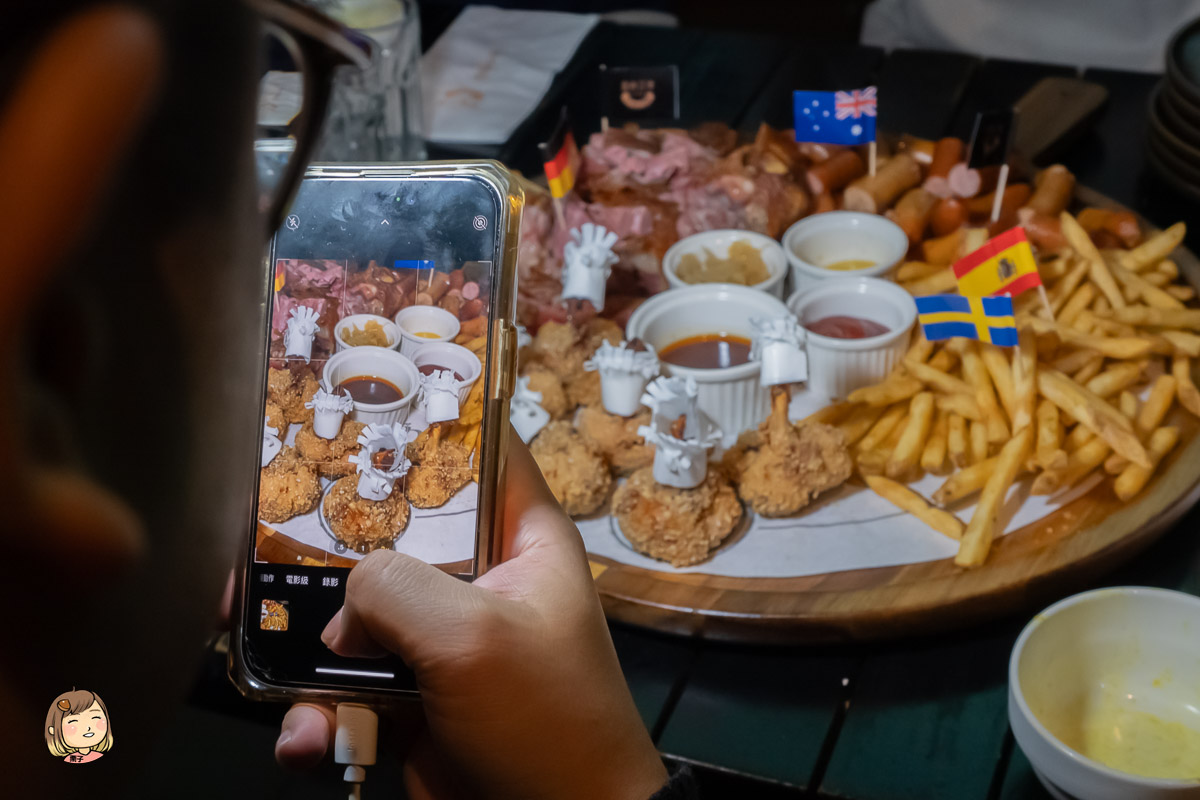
(1141, 744)
(426, 335)
(846, 265)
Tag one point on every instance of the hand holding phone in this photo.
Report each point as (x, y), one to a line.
(521, 689)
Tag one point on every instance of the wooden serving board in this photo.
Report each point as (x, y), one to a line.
(1054, 556)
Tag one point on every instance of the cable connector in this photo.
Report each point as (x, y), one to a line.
(354, 743)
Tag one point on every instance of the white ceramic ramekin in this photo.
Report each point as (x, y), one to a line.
(454, 357)
(424, 319)
(346, 324)
(837, 367)
(816, 241)
(732, 396)
(375, 362)
(1131, 645)
(718, 243)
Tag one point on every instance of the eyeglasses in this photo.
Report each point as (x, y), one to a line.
(318, 46)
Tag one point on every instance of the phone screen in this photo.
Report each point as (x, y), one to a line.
(382, 289)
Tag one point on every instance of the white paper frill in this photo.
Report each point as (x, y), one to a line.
(272, 444)
(670, 398)
(524, 338)
(525, 411)
(373, 482)
(681, 462)
(301, 328)
(624, 374)
(778, 346)
(439, 395)
(587, 263)
(329, 410)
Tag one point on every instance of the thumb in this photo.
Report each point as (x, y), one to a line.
(404, 605)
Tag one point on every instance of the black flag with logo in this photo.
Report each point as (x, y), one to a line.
(991, 137)
(646, 95)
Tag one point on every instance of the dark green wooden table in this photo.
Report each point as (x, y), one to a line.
(914, 719)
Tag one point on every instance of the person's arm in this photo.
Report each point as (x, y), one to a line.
(521, 688)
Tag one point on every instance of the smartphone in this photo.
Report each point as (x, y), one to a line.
(388, 358)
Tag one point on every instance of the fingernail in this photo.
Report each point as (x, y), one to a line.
(284, 737)
(331, 630)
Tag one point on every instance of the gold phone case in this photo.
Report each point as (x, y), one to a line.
(499, 374)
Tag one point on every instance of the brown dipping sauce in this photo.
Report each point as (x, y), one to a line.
(842, 327)
(372, 390)
(429, 369)
(710, 351)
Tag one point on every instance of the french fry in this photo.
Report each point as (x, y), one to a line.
(1154, 249)
(1188, 318)
(921, 348)
(1079, 240)
(977, 376)
(935, 283)
(1079, 464)
(1149, 417)
(1081, 299)
(1167, 267)
(831, 414)
(1067, 286)
(1105, 421)
(1156, 278)
(937, 379)
(964, 483)
(882, 427)
(998, 366)
(907, 500)
(943, 360)
(1111, 347)
(893, 438)
(907, 453)
(476, 345)
(893, 389)
(1024, 380)
(859, 422)
(956, 440)
(981, 530)
(1089, 370)
(933, 457)
(961, 404)
(977, 442)
(1127, 404)
(914, 270)
(1048, 452)
(871, 462)
(1078, 437)
(1116, 378)
(1181, 293)
(1054, 269)
(1141, 288)
(1185, 389)
(1074, 361)
(1134, 478)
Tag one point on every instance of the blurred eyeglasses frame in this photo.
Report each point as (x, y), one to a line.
(318, 45)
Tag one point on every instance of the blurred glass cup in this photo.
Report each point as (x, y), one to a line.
(375, 114)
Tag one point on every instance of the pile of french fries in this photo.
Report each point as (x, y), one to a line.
(1089, 389)
(466, 429)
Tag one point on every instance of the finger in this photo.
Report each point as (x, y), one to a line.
(305, 735)
(395, 601)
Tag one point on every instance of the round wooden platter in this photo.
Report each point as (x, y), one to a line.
(1026, 568)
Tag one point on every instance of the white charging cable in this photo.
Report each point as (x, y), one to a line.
(354, 744)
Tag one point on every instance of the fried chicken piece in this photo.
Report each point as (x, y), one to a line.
(364, 525)
(276, 418)
(563, 348)
(440, 468)
(616, 438)
(680, 526)
(330, 455)
(287, 487)
(290, 388)
(554, 397)
(577, 475)
(783, 468)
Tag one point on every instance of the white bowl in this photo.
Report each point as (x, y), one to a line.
(424, 319)
(836, 367)
(821, 239)
(375, 362)
(718, 243)
(1129, 648)
(346, 324)
(454, 357)
(732, 396)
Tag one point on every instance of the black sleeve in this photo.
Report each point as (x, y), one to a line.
(680, 786)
